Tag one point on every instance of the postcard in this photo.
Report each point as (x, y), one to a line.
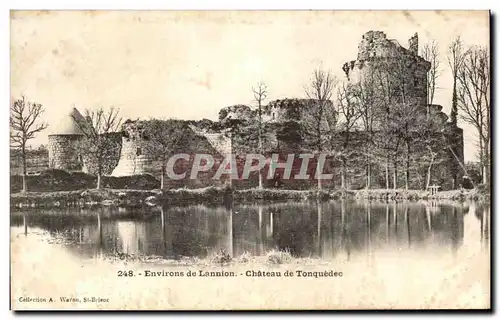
(250, 160)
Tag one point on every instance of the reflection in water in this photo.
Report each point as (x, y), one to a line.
(318, 235)
(230, 230)
(328, 230)
(25, 223)
(368, 225)
(482, 212)
(387, 224)
(259, 236)
(100, 244)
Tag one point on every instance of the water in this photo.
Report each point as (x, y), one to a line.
(327, 230)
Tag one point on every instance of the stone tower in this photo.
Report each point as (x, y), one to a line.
(63, 153)
(395, 75)
(404, 68)
(133, 156)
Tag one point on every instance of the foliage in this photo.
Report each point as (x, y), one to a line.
(290, 132)
(474, 172)
(279, 256)
(166, 137)
(240, 111)
(59, 180)
(221, 257)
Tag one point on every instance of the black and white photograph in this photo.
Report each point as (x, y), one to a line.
(250, 160)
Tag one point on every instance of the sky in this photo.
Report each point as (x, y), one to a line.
(190, 64)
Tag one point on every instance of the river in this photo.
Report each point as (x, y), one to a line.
(326, 230)
(387, 255)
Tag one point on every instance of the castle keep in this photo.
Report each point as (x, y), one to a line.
(380, 56)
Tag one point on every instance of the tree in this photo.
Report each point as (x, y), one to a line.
(349, 114)
(430, 52)
(406, 112)
(260, 94)
(455, 61)
(367, 103)
(386, 138)
(430, 142)
(164, 138)
(320, 90)
(96, 147)
(399, 109)
(24, 125)
(405, 122)
(474, 100)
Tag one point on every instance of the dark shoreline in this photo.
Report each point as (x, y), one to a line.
(218, 196)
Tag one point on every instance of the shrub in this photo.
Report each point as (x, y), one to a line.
(279, 256)
(221, 257)
(245, 257)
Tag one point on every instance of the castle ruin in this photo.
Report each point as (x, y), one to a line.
(286, 120)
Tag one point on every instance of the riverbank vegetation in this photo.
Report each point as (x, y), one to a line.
(224, 195)
(219, 258)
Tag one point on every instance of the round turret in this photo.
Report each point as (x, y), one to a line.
(63, 142)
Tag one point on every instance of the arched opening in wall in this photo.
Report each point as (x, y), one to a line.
(138, 151)
(273, 115)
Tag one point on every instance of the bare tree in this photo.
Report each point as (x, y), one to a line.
(260, 94)
(164, 138)
(320, 89)
(24, 125)
(474, 101)
(429, 139)
(405, 122)
(455, 61)
(95, 146)
(430, 52)
(349, 113)
(397, 108)
(368, 105)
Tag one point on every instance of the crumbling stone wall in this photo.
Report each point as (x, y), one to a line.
(284, 110)
(455, 137)
(413, 44)
(134, 157)
(236, 112)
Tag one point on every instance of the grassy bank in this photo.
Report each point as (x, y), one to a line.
(402, 194)
(131, 198)
(222, 195)
(219, 258)
(60, 180)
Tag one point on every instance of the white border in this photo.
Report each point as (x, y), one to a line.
(6, 6)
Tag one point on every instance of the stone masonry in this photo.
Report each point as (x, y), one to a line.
(63, 153)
